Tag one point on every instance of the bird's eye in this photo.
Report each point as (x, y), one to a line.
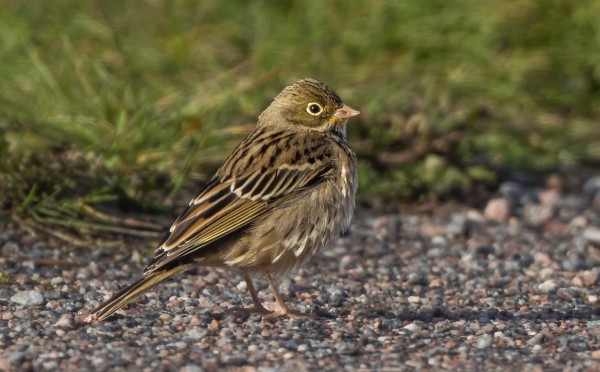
(314, 108)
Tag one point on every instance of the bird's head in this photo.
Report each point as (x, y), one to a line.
(309, 104)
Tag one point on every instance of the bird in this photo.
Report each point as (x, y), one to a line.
(286, 192)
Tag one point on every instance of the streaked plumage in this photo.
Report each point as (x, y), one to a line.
(283, 195)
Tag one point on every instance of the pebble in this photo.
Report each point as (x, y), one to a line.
(346, 262)
(65, 321)
(484, 341)
(28, 298)
(438, 240)
(497, 210)
(585, 278)
(536, 340)
(436, 283)
(593, 324)
(242, 286)
(547, 286)
(302, 348)
(592, 186)
(537, 214)
(412, 327)
(414, 299)
(196, 333)
(591, 234)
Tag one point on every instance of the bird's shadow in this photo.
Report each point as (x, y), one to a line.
(439, 314)
(428, 316)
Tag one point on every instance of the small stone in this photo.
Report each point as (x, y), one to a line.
(547, 286)
(474, 215)
(165, 316)
(588, 278)
(6, 316)
(28, 298)
(385, 226)
(458, 224)
(548, 197)
(414, 299)
(546, 272)
(302, 348)
(536, 340)
(592, 186)
(543, 259)
(191, 368)
(242, 286)
(593, 299)
(5, 364)
(596, 354)
(484, 250)
(484, 341)
(50, 365)
(438, 240)
(436, 283)
(346, 348)
(593, 324)
(578, 222)
(65, 321)
(537, 214)
(412, 327)
(591, 234)
(346, 263)
(497, 209)
(196, 333)
(60, 332)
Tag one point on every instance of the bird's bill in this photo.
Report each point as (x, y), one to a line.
(345, 112)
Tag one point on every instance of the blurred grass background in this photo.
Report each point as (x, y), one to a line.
(141, 101)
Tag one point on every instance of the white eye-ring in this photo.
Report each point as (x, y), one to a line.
(314, 108)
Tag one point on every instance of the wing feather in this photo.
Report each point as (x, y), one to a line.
(236, 197)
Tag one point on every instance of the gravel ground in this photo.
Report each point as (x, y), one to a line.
(513, 285)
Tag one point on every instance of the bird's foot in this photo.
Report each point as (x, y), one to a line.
(90, 318)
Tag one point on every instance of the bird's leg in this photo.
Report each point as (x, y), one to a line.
(283, 310)
(258, 306)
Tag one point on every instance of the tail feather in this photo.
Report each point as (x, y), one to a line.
(131, 292)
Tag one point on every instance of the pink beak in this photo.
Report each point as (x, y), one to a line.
(345, 112)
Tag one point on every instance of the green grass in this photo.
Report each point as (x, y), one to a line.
(131, 100)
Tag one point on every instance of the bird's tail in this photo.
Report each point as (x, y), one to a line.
(129, 293)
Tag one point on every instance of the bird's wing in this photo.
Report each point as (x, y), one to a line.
(254, 180)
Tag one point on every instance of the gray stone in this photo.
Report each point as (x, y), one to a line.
(28, 298)
(484, 341)
(591, 234)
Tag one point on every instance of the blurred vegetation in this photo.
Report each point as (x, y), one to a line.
(129, 101)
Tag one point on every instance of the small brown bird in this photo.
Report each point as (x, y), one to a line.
(283, 195)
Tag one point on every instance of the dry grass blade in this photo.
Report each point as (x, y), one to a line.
(80, 224)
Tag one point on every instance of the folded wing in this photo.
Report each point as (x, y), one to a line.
(242, 191)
